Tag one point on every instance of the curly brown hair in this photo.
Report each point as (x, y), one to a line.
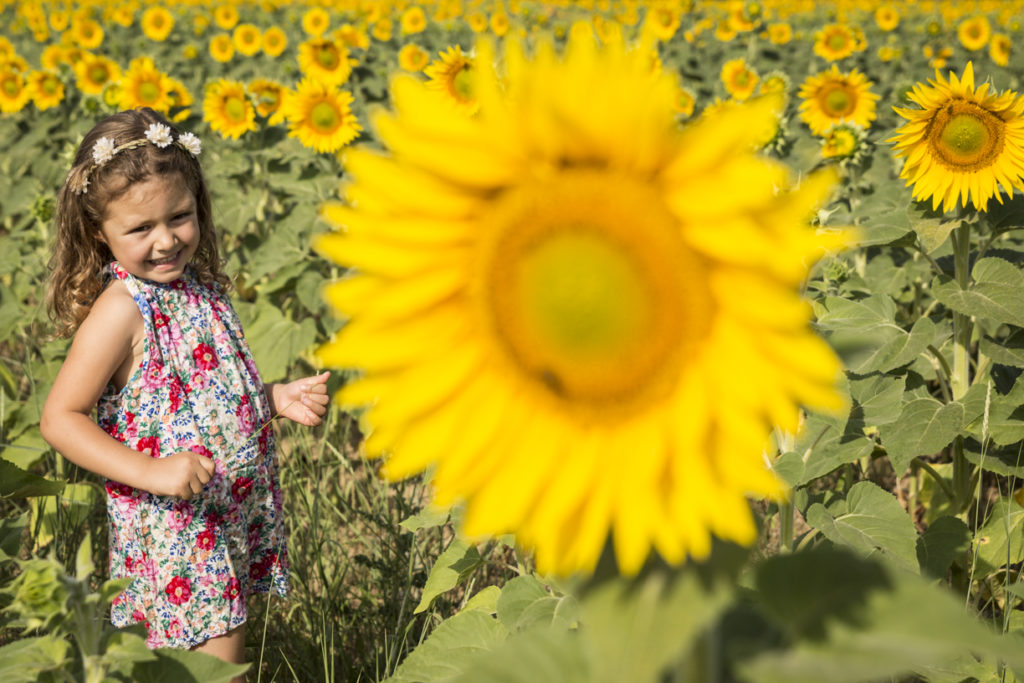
(79, 256)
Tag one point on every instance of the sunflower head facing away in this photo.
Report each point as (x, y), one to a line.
(963, 143)
(582, 334)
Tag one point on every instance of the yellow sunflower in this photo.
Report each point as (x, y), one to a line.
(274, 42)
(6, 48)
(845, 143)
(887, 17)
(326, 60)
(583, 334)
(143, 85)
(834, 42)
(999, 48)
(499, 23)
(684, 102)
(780, 33)
(222, 48)
(123, 15)
(382, 29)
(351, 37)
(225, 16)
(412, 57)
(413, 20)
(157, 23)
(974, 33)
(53, 56)
(831, 97)
(452, 76)
(963, 143)
(59, 20)
(477, 21)
(247, 39)
(45, 89)
(888, 53)
(739, 79)
(227, 108)
(269, 96)
(320, 116)
(315, 21)
(662, 21)
(94, 72)
(86, 33)
(14, 93)
(181, 100)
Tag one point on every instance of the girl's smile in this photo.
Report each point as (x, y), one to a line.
(152, 229)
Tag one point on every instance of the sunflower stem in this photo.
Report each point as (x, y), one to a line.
(961, 381)
(786, 524)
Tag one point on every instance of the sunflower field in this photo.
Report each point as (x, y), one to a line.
(673, 340)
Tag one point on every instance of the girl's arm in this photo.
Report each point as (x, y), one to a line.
(101, 345)
(303, 401)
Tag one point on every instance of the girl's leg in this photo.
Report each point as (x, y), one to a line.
(230, 647)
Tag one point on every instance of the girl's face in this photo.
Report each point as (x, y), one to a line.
(152, 229)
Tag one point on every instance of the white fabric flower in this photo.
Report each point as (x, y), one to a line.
(191, 143)
(103, 151)
(159, 135)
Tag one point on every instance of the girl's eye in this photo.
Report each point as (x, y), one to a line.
(183, 216)
(141, 228)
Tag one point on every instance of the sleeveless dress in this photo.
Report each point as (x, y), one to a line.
(193, 563)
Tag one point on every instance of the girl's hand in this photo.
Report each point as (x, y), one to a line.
(303, 401)
(182, 474)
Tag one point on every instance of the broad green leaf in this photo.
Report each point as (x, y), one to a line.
(823, 446)
(11, 531)
(25, 659)
(16, 483)
(634, 629)
(902, 349)
(874, 522)
(925, 426)
(995, 292)
(84, 566)
(185, 666)
(877, 399)
(123, 648)
(854, 619)
(933, 232)
(943, 541)
(486, 600)
(452, 567)
(26, 450)
(1000, 541)
(1007, 461)
(429, 517)
(450, 647)
(537, 656)
(1008, 351)
(883, 217)
(276, 341)
(516, 596)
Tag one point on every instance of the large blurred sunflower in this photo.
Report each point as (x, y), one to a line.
(325, 60)
(315, 21)
(143, 85)
(412, 57)
(86, 33)
(964, 142)
(269, 96)
(413, 20)
(247, 39)
(225, 16)
(320, 116)
(227, 108)
(582, 333)
(831, 97)
(452, 76)
(887, 17)
(157, 23)
(222, 48)
(999, 48)
(274, 41)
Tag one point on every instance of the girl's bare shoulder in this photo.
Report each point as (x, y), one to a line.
(114, 311)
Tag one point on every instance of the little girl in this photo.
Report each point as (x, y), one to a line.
(183, 436)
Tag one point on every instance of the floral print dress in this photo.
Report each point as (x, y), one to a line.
(193, 563)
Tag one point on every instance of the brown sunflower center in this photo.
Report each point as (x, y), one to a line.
(837, 41)
(837, 100)
(324, 117)
(591, 292)
(99, 74)
(11, 87)
(328, 58)
(966, 137)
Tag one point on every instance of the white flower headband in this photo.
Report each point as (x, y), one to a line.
(157, 134)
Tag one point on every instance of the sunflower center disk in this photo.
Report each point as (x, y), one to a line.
(592, 292)
(324, 117)
(462, 84)
(98, 75)
(234, 108)
(967, 137)
(11, 86)
(327, 58)
(837, 101)
(149, 92)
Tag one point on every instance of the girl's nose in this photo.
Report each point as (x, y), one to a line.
(165, 238)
